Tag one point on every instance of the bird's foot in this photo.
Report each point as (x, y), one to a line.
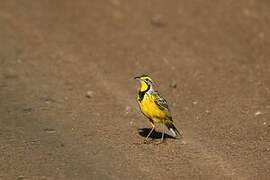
(160, 142)
(146, 141)
(143, 142)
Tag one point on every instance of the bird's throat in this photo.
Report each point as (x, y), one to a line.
(143, 89)
(143, 86)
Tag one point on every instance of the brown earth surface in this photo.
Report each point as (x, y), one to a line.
(210, 59)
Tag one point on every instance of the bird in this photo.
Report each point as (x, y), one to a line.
(154, 107)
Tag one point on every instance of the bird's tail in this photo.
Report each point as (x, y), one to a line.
(173, 129)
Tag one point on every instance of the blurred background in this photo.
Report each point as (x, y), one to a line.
(68, 99)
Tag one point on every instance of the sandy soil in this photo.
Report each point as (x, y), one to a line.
(210, 60)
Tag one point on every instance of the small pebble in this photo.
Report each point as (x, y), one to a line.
(259, 83)
(19, 60)
(50, 130)
(207, 111)
(173, 85)
(244, 111)
(127, 109)
(165, 60)
(258, 113)
(49, 100)
(172, 68)
(89, 94)
(194, 102)
(157, 21)
(184, 142)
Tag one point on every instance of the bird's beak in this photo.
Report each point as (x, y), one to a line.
(137, 77)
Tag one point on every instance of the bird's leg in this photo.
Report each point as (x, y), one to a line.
(162, 137)
(163, 132)
(153, 127)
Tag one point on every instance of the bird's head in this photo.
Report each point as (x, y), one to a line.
(145, 82)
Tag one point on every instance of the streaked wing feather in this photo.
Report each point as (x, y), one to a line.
(162, 103)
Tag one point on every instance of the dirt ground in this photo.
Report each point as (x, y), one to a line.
(68, 98)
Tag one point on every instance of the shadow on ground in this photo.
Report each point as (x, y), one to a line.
(155, 135)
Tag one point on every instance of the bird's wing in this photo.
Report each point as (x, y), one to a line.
(162, 103)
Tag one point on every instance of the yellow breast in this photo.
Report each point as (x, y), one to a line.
(151, 110)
